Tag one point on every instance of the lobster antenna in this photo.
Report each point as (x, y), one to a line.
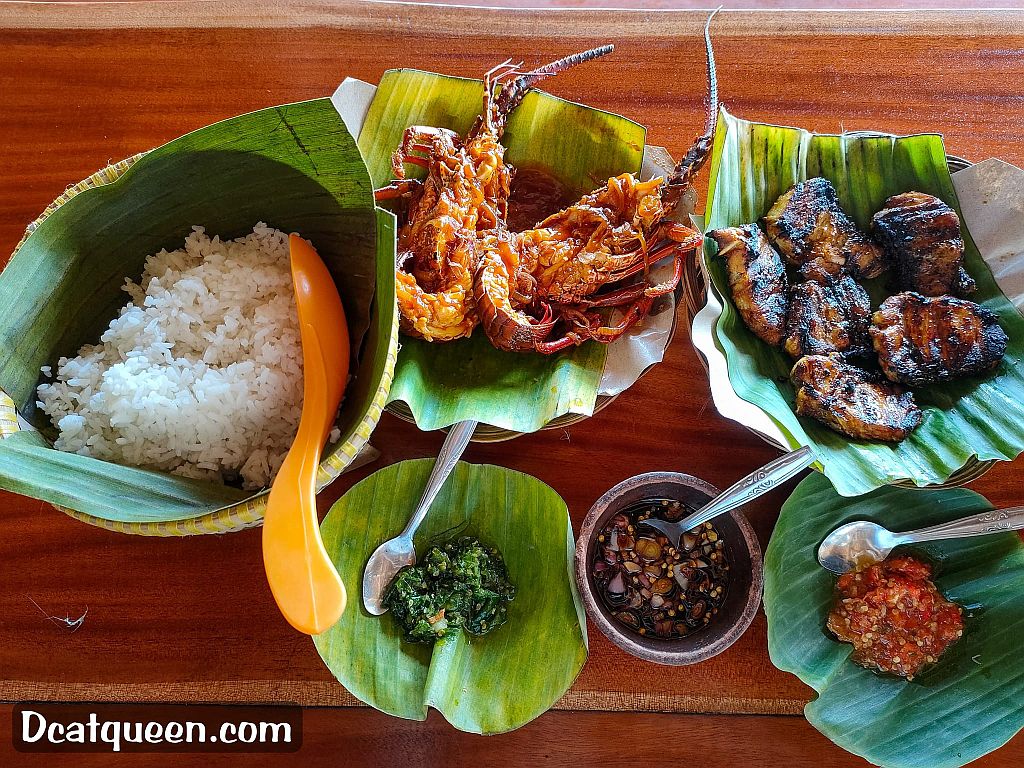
(570, 61)
(698, 153)
(712, 113)
(512, 94)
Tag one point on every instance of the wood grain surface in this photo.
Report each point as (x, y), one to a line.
(356, 738)
(192, 619)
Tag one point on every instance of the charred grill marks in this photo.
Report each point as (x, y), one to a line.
(828, 316)
(922, 336)
(923, 340)
(757, 279)
(809, 228)
(853, 401)
(921, 239)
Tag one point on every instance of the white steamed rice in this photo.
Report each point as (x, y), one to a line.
(200, 374)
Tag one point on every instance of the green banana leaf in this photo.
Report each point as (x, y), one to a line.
(488, 684)
(752, 165)
(969, 703)
(470, 379)
(294, 167)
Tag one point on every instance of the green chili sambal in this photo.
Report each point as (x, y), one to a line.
(457, 585)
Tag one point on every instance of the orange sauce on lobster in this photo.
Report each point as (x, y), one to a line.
(535, 195)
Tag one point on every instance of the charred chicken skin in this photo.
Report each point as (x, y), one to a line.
(828, 316)
(921, 239)
(809, 228)
(852, 401)
(922, 340)
(757, 279)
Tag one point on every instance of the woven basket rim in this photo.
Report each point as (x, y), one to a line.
(234, 517)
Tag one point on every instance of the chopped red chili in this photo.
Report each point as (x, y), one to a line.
(648, 584)
(896, 619)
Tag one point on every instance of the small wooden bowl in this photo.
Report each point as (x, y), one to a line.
(746, 577)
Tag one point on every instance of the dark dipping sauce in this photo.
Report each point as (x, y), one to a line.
(651, 587)
(535, 195)
(896, 619)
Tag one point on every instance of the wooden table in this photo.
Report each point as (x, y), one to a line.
(192, 619)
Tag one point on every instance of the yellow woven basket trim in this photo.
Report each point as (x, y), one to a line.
(246, 514)
(98, 179)
(8, 415)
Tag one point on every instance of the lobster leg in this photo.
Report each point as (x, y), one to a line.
(608, 334)
(633, 292)
(571, 339)
(669, 285)
(396, 189)
(597, 332)
(680, 239)
(421, 136)
(422, 162)
(417, 138)
(686, 240)
(500, 73)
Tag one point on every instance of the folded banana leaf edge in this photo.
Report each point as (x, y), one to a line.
(967, 704)
(752, 164)
(488, 684)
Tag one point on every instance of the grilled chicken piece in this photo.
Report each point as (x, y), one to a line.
(921, 340)
(920, 236)
(809, 228)
(852, 401)
(757, 279)
(828, 316)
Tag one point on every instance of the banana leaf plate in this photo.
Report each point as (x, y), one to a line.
(969, 703)
(295, 167)
(488, 684)
(966, 422)
(437, 385)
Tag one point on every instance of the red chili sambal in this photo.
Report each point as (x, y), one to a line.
(896, 619)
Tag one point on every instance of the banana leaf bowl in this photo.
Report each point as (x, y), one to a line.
(295, 167)
(965, 705)
(509, 394)
(482, 684)
(967, 424)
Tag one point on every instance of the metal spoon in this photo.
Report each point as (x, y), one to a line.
(396, 553)
(863, 542)
(757, 483)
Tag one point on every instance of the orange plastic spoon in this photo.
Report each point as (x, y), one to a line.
(302, 577)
